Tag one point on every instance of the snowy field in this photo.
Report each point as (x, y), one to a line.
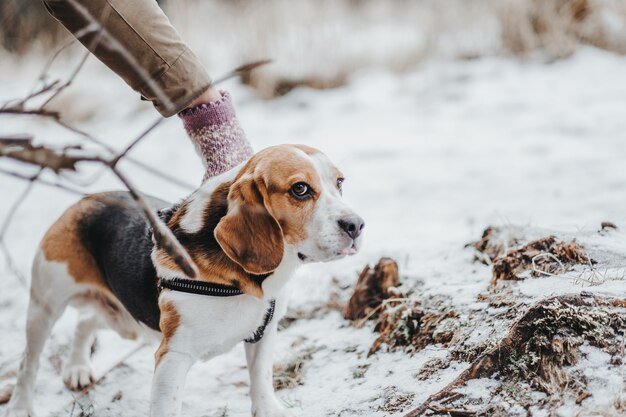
(431, 158)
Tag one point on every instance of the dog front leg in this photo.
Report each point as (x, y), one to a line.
(260, 367)
(168, 383)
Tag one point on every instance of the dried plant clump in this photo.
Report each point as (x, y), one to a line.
(494, 243)
(411, 328)
(556, 334)
(541, 362)
(372, 288)
(402, 323)
(545, 256)
(543, 341)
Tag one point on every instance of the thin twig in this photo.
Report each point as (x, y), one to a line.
(92, 46)
(11, 264)
(32, 112)
(163, 236)
(122, 154)
(17, 203)
(116, 365)
(7, 221)
(380, 306)
(42, 181)
(546, 255)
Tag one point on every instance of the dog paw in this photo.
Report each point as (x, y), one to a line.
(273, 412)
(77, 377)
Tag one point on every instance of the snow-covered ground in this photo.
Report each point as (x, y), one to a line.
(431, 158)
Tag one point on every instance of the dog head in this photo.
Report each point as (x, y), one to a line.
(287, 197)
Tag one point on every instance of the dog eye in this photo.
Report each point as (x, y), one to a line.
(340, 185)
(301, 190)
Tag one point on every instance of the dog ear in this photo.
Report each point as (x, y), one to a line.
(249, 234)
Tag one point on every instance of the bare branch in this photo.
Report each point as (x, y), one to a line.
(122, 154)
(94, 44)
(25, 151)
(36, 112)
(162, 234)
(7, 222)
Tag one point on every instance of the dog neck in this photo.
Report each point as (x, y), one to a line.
(193, 222)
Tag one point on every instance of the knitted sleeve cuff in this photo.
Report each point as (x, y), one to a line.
(217, 135)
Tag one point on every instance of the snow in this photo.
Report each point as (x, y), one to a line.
(431, 157)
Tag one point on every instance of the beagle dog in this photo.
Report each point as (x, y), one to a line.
(247, 231)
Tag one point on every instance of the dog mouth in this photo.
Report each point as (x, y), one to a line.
(349, 251)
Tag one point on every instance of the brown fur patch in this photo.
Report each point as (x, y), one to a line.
(213, 264)
(169, 323)
(62, 243)
(279, 168)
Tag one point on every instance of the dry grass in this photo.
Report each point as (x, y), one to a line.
(432, 367)
(289, 374)
(409, 327)
(320, 43)
(21, 22)
(557, 27)
(545, 256)
(395, 401)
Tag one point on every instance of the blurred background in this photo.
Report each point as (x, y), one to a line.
(319, 44)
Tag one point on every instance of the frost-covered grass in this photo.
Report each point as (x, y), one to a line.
(431, 158)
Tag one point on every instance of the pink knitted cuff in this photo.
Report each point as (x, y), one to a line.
(215, 131)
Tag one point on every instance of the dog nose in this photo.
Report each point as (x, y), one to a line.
(352, 226)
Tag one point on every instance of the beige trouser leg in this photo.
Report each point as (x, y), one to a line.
(138, 43)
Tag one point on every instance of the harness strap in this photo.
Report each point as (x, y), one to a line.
(217, 290)
(199, 287)
(258, 333)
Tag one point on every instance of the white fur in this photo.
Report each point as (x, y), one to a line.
(197, 202)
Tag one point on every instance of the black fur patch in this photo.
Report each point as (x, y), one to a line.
(117, 235)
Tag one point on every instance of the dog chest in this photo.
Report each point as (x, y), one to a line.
(212, 325)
